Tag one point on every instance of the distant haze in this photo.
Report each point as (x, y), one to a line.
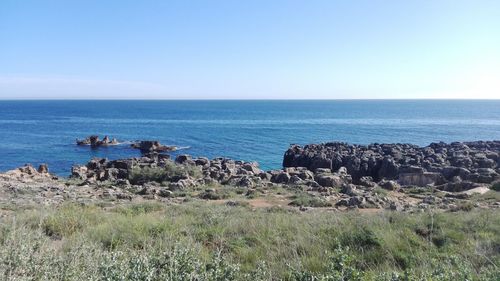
(257, 49)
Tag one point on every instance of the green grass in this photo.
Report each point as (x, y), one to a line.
(381, 192)
(488, 197)
(308, 200)
(204, 241)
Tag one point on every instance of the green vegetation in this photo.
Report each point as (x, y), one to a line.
(381, 192)
(169, 172)
(208, 241)
(308, 200)
(496, 186)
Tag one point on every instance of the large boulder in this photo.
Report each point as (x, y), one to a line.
(280, 177)
(329, 180)
(420, 179)
(79, 172)
(147, 146)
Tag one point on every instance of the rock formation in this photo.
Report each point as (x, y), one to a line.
(378, 176)
(455, 166)
(95, 142)
(152, 146)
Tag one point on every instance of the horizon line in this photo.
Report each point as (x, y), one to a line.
(243, 99)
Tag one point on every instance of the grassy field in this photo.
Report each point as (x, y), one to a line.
(207, 241)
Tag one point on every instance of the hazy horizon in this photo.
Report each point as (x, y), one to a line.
(249, 99)
(227, 50)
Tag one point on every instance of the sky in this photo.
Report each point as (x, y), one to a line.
(255, 49)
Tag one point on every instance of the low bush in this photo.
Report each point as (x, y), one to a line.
(307, 200)
(495, 186)
(168, 173)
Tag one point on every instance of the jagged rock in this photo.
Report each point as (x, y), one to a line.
(43, 169)
(349, 189)
(95, 142)
(111, 174)
(329, 180)
(202, 161)
(163, 192)
(471, 161)
(176, 186)
(295, 180)
(280, 177)
(253, 168)
(147, 146)
(356, 201)
(389, 185)
(28, 169)
(312, 183)
(183, 158)
(122, 164)
(366, 181)
(265, 176)
(458, 186)
(420, 179)
(323, 171)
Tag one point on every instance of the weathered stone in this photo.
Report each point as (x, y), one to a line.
(28, 169)
(389, 185)
(95, 142)
(79, 172)
(349, 189)
(454, 162)
(328, 180)
(43, 169)
(202, 161)
(280, 177)
(366, 181)
(323, 171)
(253, 168)
(420, 179)
(295, 180)
(181, 159)
(163, 192)
(147, 146)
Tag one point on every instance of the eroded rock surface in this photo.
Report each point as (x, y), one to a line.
(455, 167)
(147, 146)
(95, 142)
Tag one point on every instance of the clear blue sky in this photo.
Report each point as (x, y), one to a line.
(250, 49)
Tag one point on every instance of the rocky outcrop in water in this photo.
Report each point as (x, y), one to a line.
(152, 146)
(95, 142)
(453, 167)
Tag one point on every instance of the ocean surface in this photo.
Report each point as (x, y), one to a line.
(45, 131)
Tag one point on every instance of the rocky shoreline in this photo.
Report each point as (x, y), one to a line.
(341, 176)
(452, 167)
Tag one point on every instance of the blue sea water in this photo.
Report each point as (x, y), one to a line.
(45, 131)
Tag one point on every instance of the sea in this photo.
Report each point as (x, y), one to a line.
(44, 131)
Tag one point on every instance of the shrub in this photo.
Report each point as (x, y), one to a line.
(466, 207)
(340, 267)
(214, 195)
(495, 186)
(381, 192)
(140, 208)
(171, 172)
(69, 220)
(307, 200)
